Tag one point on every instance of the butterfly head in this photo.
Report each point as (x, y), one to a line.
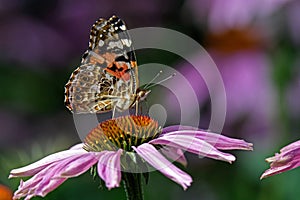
(141, 94)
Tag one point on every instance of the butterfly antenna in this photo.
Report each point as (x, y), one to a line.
(149, 84)
(155, 77)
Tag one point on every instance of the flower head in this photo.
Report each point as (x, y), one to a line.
(114, 144)
(222, 15)
(287, 159)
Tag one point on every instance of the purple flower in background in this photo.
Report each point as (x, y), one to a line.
(287, 159)
(111, 142)
(232, 13)
(248, 86)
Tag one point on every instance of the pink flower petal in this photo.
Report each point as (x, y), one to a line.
(154, 158)
(67, 168)
(39, 185)
(292, 146)
(51, 185)
(287, 159)
(50, 177)
(217, 140)
(275, 170)
(109, 168)
(193, 145)
(35, 167)
(174, 154)
(78, 165)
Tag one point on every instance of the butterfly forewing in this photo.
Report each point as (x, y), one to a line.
(107, 77)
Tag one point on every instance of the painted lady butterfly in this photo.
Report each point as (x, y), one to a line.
(108, 76)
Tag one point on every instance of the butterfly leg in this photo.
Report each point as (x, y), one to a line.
(136, 107)
(114, 112)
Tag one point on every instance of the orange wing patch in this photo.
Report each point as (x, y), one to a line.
(119, 70)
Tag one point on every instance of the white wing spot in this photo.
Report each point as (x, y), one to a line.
(101, 43)
(126, 42)
(117, 44)
(123, 27)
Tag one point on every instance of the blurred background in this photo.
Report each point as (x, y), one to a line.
(255, 44)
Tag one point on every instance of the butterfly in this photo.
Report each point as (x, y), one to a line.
(107, 79)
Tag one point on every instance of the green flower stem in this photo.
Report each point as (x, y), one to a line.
(133, 186)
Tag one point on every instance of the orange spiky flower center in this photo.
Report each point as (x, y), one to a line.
(122, 132)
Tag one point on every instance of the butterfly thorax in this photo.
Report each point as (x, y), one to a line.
(141, 94)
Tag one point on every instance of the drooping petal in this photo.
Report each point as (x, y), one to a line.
(54, 174)
(67, 168)
(52, 185)
(217, 140)
(193, 145)
(174, 154)
(78, 165)
(36, 186)
(109, 168)
(154, 158)
(35, 167)
(287, 159)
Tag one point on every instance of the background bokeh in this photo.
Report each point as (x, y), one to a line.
(255, 44)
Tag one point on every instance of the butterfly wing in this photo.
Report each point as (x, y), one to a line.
(107, 77)
(109, 39)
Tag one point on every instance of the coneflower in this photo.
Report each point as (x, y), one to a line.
(125, 148)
